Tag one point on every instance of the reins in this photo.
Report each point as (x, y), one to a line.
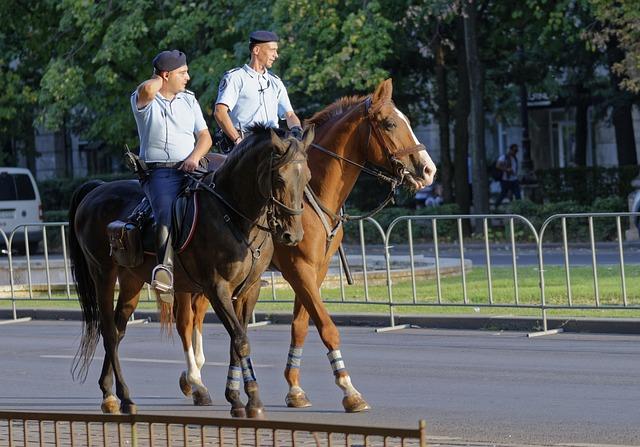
(393, 180)
(272, 201)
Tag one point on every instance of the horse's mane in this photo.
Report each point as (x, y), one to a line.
(253, 144)
(335, 109)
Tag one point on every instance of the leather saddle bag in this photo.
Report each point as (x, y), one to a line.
(125, 240)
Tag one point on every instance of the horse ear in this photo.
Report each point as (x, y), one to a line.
(383, 91)
(308, 136)
(276, 142)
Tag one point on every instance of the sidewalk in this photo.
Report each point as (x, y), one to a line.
(462, 321)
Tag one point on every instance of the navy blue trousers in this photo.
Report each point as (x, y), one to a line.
(162, 187)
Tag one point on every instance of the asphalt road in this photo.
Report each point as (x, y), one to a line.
(497, 387)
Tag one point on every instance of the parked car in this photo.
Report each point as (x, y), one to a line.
(20, 204)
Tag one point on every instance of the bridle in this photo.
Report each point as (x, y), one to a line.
(391, 150)
(393, 178)
(273, 204)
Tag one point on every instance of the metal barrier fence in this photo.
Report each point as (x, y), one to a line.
(613, 301)
(391, 277)
(460, 297)
(21, 429)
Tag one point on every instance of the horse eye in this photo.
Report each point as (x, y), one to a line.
(388, 124)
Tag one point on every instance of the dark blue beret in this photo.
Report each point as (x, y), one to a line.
(263, 36)
(169, 60)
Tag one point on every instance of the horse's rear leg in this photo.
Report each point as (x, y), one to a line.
(105, 284)
(309, 297)
(128, 298)
(114, 325)
(190, 313)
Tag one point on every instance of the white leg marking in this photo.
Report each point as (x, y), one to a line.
(199, 348)
(193, 372)
(345, 385)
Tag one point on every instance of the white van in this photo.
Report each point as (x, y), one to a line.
(19, 204)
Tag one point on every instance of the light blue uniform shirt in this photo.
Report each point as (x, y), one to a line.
(166, 128)
(253, 97)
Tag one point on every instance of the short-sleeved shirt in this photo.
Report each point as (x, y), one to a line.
(167, 128)
(253, 97)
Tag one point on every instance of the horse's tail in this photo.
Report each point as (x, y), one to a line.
(85, 289)
(167, 314)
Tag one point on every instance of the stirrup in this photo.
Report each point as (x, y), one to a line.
(164, 285)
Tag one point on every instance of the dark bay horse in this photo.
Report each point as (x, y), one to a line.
(349, 133)
(257, 194)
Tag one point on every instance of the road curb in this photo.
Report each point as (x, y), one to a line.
(467, 322)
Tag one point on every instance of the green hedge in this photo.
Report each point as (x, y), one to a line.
(56, 193)
(577, 229)
(583, 184)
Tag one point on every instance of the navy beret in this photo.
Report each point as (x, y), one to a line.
(169, 60)
(263, 36)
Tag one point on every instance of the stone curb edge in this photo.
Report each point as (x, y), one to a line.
(470, 322)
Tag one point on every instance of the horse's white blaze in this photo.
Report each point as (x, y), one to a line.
(406, 121)
(198, 347)
(423, 156)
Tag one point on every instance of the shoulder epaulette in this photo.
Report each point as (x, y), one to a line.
(189, 92)
(232, 70)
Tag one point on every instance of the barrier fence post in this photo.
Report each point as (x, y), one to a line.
(387, 257)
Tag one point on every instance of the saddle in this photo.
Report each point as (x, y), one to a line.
(132, 238)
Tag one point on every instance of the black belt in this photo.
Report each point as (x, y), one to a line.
(171, 164)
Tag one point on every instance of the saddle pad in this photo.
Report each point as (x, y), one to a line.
(185, 219)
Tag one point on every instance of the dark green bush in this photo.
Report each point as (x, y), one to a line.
(577, 228)
(56, 193)
(583, 184)
(422, 230)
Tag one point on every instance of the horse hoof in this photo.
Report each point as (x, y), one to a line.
(185, 386)
(129, 408)
(298, 400)
(202, 399)
(256, 413)
(238, 412)
(110, 405)
(355, 404)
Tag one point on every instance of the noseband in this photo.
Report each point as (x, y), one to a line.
(392, 151)
(273, 203)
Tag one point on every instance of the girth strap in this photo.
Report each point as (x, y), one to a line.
(320, 211)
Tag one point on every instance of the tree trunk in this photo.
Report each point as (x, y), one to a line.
(625, 138)
(443, 123)
(582, 126)
(621, 113)
(476, 90)
(461, 135)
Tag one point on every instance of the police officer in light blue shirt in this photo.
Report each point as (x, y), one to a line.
(251, 94)
(173, 138)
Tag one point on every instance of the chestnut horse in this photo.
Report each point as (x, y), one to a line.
(257, 194)
(348, 133)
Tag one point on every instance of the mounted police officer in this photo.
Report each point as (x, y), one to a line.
(173, 138)
(251, 94)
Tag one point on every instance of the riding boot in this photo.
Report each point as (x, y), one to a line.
(162, 275)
